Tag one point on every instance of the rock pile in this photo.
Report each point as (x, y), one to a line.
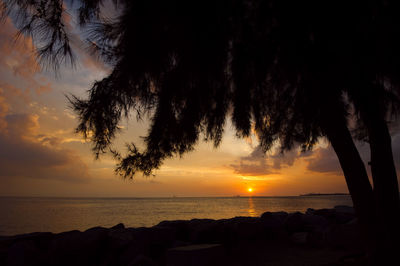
(324, 228)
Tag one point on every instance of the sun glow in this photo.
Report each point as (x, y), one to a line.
(250, 189)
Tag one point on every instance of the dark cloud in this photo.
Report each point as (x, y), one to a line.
(23, 155)
(324, 160)
(320, 160)
(287, 158)
(258, 163)
(253, 165)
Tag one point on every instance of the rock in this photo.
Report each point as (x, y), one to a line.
(345, 209)
(23, 253)
(294, 222)
(318, 237)
(142, 260)
(345, 236)
(41, 239)
(274, 226)
(119, 238)
(180, 227)
(328, 214)
(205, 231)
(196, 255)
(298, 222)
(339, 215)
(150, 242)
(128, 254)
(118, 226)
(354, 221)
(77, 248)
(155, 235)
(314, 222)
(331, 228)
(299, 238)
(250, 229)
(243, 228)
(25, 249)
(310, 211)
(274, 219)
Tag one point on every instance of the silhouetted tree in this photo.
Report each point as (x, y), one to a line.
(290, 69)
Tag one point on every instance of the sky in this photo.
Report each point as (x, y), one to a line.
(40, 155)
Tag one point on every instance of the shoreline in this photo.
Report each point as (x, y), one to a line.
(316, 237)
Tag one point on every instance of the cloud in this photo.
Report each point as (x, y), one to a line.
(10, 92)
(4, 107)
(18, 57)
(254, 164)
(43, 88)
(260, 164)
(24, 153)
(324, 160)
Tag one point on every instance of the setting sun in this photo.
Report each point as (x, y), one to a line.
(250, 189)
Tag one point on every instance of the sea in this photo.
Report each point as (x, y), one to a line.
(20, 215)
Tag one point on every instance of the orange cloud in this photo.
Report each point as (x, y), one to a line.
(4, 107)
(9, 91)
(24, 154)
(18, 54)
(18, 57)
(43, 89)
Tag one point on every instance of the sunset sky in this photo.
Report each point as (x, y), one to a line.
(40, 155)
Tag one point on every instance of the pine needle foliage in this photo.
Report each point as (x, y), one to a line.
(278, 67)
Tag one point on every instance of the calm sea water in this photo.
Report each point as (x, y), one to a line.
(25, 215)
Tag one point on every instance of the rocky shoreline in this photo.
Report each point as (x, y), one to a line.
(317, 237)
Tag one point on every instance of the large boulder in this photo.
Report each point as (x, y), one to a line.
(25, 249)
(314, 222)
(345, 236)
(299, 238)
(41, 239)
(345, 209)
(338, 215)
(119, 238)
(181, 228)
(274, 220)
(148, 242)
(206, 231)
(23, 252)
(142, 260)
(243, 228)
(196, 255)
(294, 223)
(77, 248)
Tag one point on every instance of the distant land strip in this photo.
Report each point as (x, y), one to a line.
(325, 194)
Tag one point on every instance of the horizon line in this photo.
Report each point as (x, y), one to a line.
(176, 196)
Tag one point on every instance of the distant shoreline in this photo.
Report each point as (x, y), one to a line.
(325, 194)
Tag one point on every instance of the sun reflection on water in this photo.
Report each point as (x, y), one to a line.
(252, 211)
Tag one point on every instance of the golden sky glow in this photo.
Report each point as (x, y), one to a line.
(41, 156)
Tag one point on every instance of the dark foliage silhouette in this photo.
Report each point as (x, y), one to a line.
(294, 71)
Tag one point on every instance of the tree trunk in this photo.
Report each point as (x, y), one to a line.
(386, 190)
(373, 110)
(356, 177)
